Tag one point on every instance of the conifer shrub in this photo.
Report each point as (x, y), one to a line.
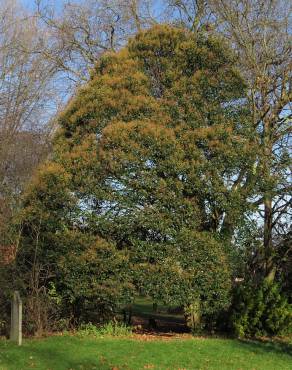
(260, 310)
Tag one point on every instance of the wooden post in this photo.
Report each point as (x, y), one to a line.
(16, 319)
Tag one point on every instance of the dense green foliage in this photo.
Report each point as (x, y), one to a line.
(62, 271)
(260, 310)
(139, 194)
(169, 174)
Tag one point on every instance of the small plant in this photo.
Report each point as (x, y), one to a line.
(88, 330)
(116, 329)
(111, 328)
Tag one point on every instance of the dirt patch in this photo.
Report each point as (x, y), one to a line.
(159, 325)
(154, 336)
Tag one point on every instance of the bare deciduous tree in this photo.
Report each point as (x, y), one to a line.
(26, 93)
(83, 30)
(260, 32)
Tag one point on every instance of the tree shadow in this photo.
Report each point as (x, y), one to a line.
(54, 359)
(267, 346)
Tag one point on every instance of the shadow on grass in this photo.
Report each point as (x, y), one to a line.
(52, 358)
(264, 346)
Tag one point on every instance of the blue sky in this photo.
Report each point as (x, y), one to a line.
(30, 4)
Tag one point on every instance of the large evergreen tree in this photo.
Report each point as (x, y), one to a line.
(145, 160)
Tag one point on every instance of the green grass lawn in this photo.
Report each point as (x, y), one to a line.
(68, 352)
(143, 306)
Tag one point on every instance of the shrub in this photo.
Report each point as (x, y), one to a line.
(260, 309)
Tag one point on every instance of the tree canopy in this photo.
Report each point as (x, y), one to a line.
(143, 176)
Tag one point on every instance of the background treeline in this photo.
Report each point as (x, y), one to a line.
(167, 174)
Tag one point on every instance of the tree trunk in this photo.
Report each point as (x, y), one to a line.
(268, 211)
(268, 242)
(227, 229)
